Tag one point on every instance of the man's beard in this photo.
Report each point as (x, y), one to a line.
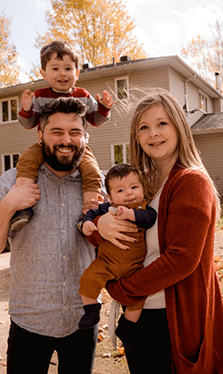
(62, 163)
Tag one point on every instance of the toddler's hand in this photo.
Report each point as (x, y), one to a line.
(105, 100)
(27, 100)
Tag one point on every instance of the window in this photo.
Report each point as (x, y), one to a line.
(120, 154)
(122, 88)
(203, 102)
(8, 110)
(9, 161)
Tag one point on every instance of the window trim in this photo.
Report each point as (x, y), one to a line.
(9, 110)
(11, 160)
(113, 152)
(116, 87)
(201, 93)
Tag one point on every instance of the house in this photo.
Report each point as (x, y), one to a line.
(128, 81)
(208, 136)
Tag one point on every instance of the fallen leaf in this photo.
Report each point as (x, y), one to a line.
(121, 351)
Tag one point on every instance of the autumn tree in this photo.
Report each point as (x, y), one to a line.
(99, 30)
(9, 72)
(205, 55)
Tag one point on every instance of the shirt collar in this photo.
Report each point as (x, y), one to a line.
(75, 174)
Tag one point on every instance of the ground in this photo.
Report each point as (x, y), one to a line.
(107, 360)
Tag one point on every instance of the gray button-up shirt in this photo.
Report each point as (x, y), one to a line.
(48, 257)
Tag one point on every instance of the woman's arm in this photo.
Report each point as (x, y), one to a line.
(191, 215)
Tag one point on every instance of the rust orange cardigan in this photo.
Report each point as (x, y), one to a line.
(185, 269)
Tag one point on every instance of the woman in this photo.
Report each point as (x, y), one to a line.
(181, 327)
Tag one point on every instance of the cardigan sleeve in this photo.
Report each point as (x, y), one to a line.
(186, 212)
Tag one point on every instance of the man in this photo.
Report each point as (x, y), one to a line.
(49, 255)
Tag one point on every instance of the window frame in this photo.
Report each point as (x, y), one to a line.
(127, 89)
(11, 160)
(124, 145)
(205, 102)
(9, 100)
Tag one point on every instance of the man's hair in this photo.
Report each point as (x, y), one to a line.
(63, 105)
(61, 48)
(118, 171)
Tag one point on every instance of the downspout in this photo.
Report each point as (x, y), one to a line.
(185, 91)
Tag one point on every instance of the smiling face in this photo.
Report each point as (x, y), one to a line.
(61, 74)
(158, 136)
(63, 142)
(126, 190)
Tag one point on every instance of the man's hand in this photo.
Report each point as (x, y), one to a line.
(27, 100)
(105, 100)
(19, 198)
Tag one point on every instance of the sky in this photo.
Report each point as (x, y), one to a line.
(163, 26)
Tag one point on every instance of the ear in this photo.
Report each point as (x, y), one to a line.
(40, 138)
(43, 73)
(77, 74)
(110, 199)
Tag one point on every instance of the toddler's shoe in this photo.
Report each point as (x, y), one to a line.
(91, 316)
(126, 333)
(20, 219)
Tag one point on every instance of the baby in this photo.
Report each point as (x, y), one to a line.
(127, 201)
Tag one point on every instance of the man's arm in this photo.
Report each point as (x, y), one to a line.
(18, 198)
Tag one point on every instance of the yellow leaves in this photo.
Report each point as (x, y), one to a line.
(205, 54)
(98, 29)
(9, 71)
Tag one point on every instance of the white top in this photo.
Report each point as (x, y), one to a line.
(155, 301)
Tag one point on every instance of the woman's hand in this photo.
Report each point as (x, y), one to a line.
(112, 229)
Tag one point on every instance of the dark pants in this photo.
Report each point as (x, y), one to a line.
(153, 352)
(31, 353)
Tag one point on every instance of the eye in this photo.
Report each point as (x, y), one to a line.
(142, 127)
(119, 191)
(163, 123)
(134, 187)
(58, 133)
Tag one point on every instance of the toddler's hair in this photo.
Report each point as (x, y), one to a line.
(61, 48)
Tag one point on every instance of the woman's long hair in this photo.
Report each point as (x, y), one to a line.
(187, 151)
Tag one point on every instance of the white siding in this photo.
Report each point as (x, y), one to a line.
(211, 151)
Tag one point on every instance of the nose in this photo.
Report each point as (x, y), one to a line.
(153, 132)
(128, 192)
(62, 72)
(66, 139)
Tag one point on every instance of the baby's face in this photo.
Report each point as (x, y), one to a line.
(126, 190)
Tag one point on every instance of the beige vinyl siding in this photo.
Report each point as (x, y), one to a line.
(211, 151)
(117, 129)
(14, 139)
(177, 88)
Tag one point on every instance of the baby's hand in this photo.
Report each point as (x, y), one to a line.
(88, 228)
(27, 100)
(105, 100)
(125, 213)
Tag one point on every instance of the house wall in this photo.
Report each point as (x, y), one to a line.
(117, 130)
(211, 151)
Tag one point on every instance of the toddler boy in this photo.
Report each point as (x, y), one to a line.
(126, 197)
(59, 66)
